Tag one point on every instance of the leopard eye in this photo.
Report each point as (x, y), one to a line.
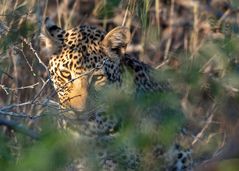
(65, 74)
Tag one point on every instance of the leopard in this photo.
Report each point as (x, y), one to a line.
(86, 53)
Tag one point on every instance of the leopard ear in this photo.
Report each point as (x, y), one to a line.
(117, 40)
(55, 32)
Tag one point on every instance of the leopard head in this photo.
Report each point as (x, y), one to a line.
(79, 54)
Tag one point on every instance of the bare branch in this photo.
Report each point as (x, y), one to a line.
(28, 63)
(14, 114)
(19, 88)
(19, 128)
(14, 105)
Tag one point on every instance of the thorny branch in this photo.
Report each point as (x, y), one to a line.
(35, 53)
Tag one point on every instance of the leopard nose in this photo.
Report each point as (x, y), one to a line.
(77, 103)
(78, 94)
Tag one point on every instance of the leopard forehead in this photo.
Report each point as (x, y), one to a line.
(81, 37)
(79, 42)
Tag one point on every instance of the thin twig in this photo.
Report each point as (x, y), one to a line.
(208, 122)
(42, 88)
(6, 74)
(162, 64)
(14, 105)
(35, 53)
(24, 56)
(125, 16)
(19, 88)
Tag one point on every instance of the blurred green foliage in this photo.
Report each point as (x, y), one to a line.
(23, 153)
(107, 9)
(142, 11)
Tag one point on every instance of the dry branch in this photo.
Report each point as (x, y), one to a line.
(19, 128)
